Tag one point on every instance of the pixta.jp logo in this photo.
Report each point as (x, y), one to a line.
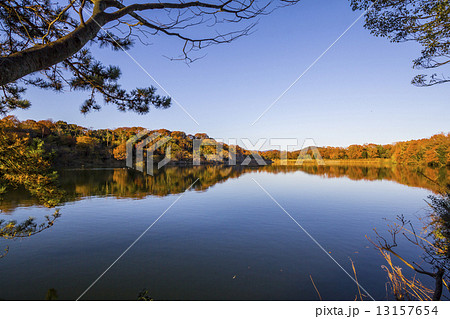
(148, 150)
(148, 143)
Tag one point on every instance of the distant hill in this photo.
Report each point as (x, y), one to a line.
(72, 145)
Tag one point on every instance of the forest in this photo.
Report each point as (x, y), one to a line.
(71, 145)
(433, 151)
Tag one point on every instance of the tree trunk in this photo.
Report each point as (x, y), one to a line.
(438, 289)
(42, 56)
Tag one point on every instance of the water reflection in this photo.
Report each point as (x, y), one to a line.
(230, 243)
(124, 183)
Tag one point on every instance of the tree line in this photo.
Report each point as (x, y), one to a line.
(76, 146)
(433, 151)
(71, 145)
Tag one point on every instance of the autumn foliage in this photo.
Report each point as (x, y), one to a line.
(433, 151)
(23, 163)
(74, 145)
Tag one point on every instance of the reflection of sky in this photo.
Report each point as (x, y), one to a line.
(358, 92)
(206, 238)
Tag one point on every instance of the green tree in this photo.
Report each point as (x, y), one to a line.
(23, 162)
(424, 21)
(50, 37)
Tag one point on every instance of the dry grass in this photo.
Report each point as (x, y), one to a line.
(318, 293)
(357, 283)
(402, 287)
(360, 295)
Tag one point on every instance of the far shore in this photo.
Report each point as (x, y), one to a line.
(377, 162)
(380, 162)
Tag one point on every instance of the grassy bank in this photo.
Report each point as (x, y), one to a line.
(375, 162)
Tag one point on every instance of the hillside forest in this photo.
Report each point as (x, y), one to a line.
(71, 145)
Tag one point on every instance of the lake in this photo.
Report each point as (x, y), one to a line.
(223, 239)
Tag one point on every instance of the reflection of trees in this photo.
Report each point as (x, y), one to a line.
(124, 183)
(14, 230)
(130, 183)
(428, 177)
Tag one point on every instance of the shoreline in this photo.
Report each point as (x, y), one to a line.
(379, 163)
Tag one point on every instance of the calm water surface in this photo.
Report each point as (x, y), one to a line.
(225, 239)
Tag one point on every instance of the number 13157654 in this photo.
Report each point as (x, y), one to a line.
(407, 310)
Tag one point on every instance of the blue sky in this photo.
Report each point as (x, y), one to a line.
(358, 92)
